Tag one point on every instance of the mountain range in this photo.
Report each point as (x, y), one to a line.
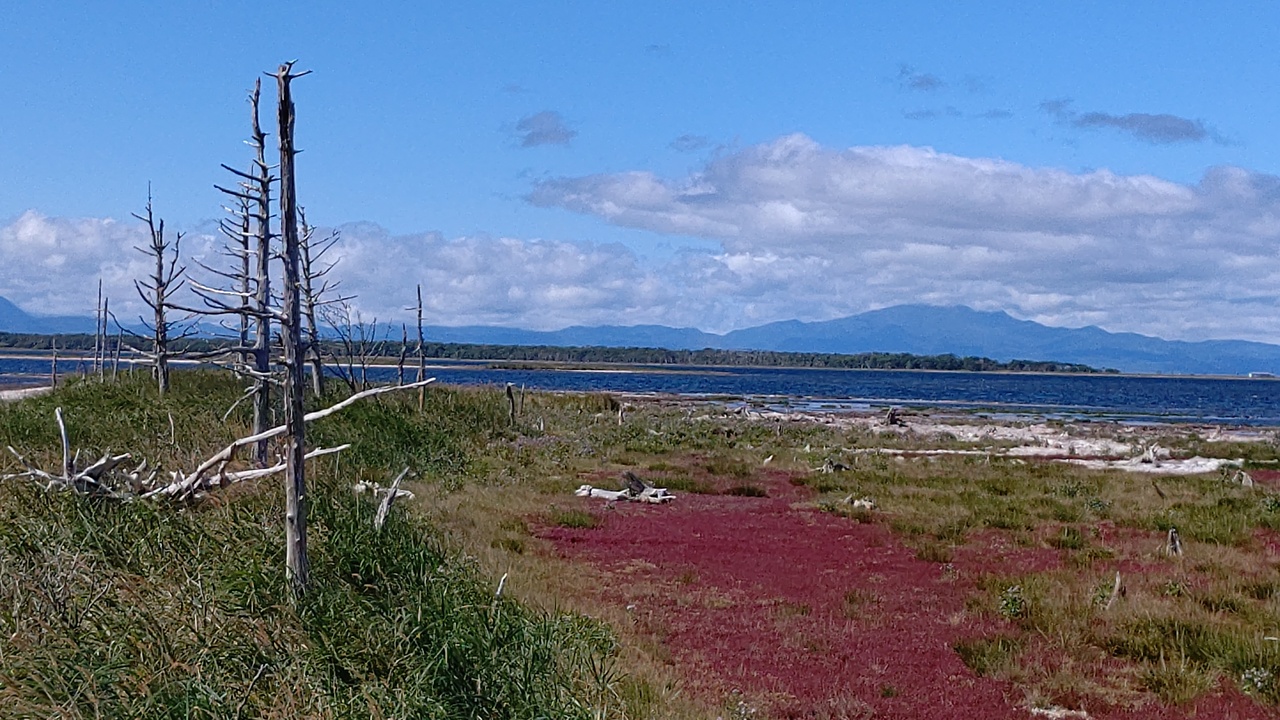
(916, 329)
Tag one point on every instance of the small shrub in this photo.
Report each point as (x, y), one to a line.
(1097, 506)
(935, 552)
(575, 519)
(1261, 589)
(729, 467)
(787, 608)
(747, 491)
(1257, 681)
(689, 485)
(510, 544)
(1012, 603)
(1000, 487)
(988, 657)
(1220, 602)
(1176, 684)
(857, 600)
(1071, 489)
(1069, 538)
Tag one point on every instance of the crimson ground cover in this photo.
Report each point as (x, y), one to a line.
(803, 613)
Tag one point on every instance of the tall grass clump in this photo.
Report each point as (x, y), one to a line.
(112, 609)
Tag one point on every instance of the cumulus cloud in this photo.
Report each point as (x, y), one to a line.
(819, 232)
(794, 229)
(52, 265)
(544, 128)
(1157, 128)
(537, 284)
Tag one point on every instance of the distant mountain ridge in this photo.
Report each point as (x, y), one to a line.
(14, 319)
(916, 329)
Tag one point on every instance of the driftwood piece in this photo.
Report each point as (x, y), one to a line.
(634, 484)
(1116, 591)
(180, 487)
(66, 444)
(392, 493)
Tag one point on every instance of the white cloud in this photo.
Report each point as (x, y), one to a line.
(52, 265)
(497, 281)
(803, 231)
(841, 231)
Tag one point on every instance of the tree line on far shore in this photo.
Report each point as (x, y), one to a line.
(621, 355)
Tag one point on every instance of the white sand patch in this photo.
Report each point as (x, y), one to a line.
(12, 395)
(1032, 440)
(1189, 466)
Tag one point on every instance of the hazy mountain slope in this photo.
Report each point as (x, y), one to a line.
(918, 329)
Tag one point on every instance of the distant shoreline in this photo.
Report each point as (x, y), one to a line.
(73, 357)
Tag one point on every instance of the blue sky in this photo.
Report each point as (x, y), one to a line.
(707, 164)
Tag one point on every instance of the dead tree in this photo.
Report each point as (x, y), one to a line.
(422, 363)
(294, 345)
(314, 289)
(102, 361)
(253, 193)
(262, 296)
(238, 231)
(97, 330)
(157, 292)
(404, 349)
(357, 342)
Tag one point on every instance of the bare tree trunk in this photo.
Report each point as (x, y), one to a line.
(422, 363)
(404, 348)
(156, 293)
(309, 293)
(161, 342)
(262, 298)
(102, 362)
(294, 346)
(97, 330)
(115, 359)
(53, 368)
(246, 267)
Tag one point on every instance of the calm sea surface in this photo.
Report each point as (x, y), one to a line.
(1126, 398)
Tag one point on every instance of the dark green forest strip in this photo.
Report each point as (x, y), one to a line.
(623, 356)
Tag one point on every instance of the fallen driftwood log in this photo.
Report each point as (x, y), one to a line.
(389, 496)
(635, 490)
(864, 503)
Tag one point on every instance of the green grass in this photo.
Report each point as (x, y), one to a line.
(989, 656)
(137, 609)
(576, 519)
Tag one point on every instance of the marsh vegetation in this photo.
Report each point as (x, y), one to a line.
(114, 609)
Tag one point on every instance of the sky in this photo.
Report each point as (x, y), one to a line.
(715, 165)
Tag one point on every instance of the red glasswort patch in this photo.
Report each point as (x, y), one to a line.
(810, 615)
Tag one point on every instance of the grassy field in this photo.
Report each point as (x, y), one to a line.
(137, 610)
(140, 610)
